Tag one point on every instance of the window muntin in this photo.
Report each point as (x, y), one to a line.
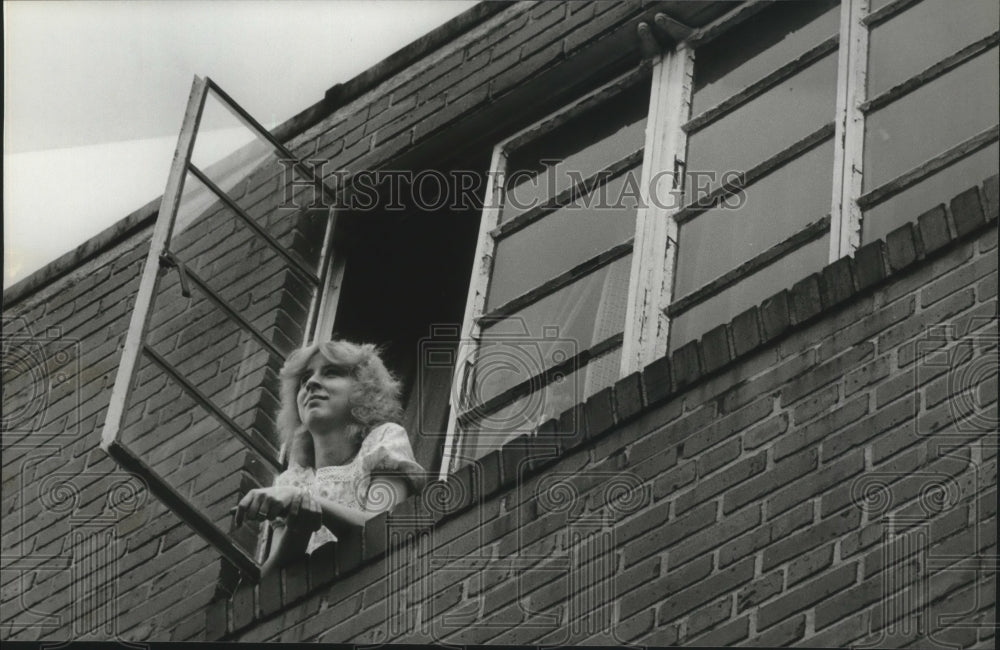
(584, 314)
(770, 210)
(767, 41)
(721, 307)
(750, 134)
(888, 215)
(922, 35)
(585, 144)
(542, 250)
(929, 120)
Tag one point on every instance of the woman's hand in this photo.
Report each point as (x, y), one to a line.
(266, 503)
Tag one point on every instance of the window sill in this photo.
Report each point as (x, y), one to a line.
(970, 212)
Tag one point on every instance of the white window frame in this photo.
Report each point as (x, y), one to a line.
(654, 253)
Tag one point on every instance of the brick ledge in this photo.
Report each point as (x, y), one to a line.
(968, 214)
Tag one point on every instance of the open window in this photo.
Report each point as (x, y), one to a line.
(233, 281)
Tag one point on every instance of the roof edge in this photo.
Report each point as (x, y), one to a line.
(336, 97)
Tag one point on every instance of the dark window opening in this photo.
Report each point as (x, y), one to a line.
(408, 271)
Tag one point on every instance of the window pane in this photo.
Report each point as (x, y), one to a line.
(722, 307)
(585, 144)
(556, 327)
(774, 208)
(762, 127)
(932, 119)
(924, 34)
(911, 203)
(766, 41)
(565, 238)
(525, 414)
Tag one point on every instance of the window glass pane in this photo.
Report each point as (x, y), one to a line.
(525, 414)
(766, 42)
(939, 188)
(931, 119)
(773, 209)
(762, 127)
(585, 145)
(722, 307)
(924, 34)
(551, 330)
(565, 238)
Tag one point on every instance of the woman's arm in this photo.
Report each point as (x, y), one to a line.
(384, 493)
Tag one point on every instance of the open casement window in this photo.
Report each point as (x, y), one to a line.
(232, 283)
(545, 319)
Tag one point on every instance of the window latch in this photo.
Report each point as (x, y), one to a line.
(168, 260)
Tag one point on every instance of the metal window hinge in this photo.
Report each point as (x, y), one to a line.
(168, 260)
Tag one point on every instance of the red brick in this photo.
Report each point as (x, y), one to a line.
(809, 564)
(815, 403)
(824, 531)
(706, 589)
(827, 372)
(966, 211)
(719, 456)
(600, 412)
(805, 299)
(661, 536)
(782, 635)
(952, 282)
(710, 487)
(686, 365)
(933, 226)
(868, 374)
(770, 480)
(867, 327)
(759, 590)
(725, 428)
(812, 592)
(715, 348)
(838, 284)
(870, 264)
(628, 396)
(700, 543)
(774, 315)
(675, 479)
(880, 421)
(709, 616)
(815, 483)
(723, 636)
(656, 381)
(901, 247)
(990, 197)
(765, 431)
(746, 332)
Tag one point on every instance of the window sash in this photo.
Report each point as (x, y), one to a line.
(476, 317)
(160, 257)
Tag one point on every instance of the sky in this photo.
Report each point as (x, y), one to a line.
(94, 93)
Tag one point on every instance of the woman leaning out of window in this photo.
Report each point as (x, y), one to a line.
(348, 458)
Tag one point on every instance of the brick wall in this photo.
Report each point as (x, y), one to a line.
(715, 497)
(834, 484)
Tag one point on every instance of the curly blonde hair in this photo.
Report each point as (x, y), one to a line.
(374, 401)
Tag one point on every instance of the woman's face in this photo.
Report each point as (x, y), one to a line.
(324, 395)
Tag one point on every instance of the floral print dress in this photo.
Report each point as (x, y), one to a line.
(385, 448)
